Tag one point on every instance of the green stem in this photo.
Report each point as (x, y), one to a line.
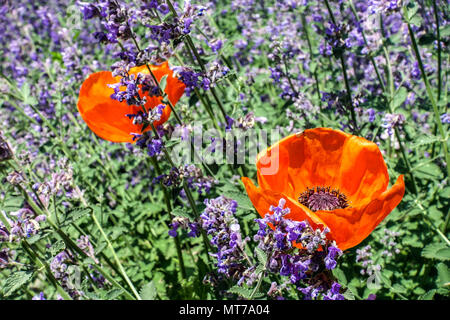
(288, 77)
(36, 259)
(372, 60)
(431, 97)
(439, 51)
(116, 258)
(439, 75)
(188, 194)
(344, 71)
(66, 238)
(48, 272)
(430, 223)
(188, 41)
(169, 211)
(389, 95)
(316, 79)
(258, 285)
(349, 93)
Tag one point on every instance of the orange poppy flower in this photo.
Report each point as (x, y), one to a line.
(107, 118)
(330, 178)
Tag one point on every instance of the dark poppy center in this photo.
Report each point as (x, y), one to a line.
(323, 198)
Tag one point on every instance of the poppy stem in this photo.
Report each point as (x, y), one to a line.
(289, 78)
(116, 258)
(208, 108)
(188, 194)
(430, 96)
(305, 28)
(162, 93)
(344, 72)
(190, 44)
(370, 55)
(389, 97)
(439, 63)
(205, 104)
(169, 211)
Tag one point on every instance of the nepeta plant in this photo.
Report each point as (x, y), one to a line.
(98, 98)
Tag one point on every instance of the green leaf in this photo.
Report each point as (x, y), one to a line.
(416, 20)
(148, 291)
(445, 193)
(385, 280)
(27, 96)
(261, 256)
(443, 279)
(399, 98)
(425, 140)
(398, 288)
(340, 276)
(445, 31)
(373, 282)
(171, 143)
(240, 197)
(160, 284)
(411, 10)
(12, 203)
(437, 251)
(57, 247)
(74, 215)
(39, 236)
(429, 171)
(348, 295)
(57, 56)
(428, 296)
(245, 292)
(15, 281)
(354, 288)
(92, 296)
(183, 212)
(413, 240)
(116, 232)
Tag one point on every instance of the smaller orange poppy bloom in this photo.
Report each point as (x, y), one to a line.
(329, 178)
(107, 118)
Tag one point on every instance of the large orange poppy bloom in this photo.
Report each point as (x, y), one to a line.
(301, 167)
(107, 118)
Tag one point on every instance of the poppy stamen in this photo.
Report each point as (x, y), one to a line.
(323, 198)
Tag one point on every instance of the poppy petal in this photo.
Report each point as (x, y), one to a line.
(362, 171)
(350, 226)
(325, 157)
(103, 115)
(315, 157)
(107, 118)
(174, 87)
(263, 199)
(272, 165)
